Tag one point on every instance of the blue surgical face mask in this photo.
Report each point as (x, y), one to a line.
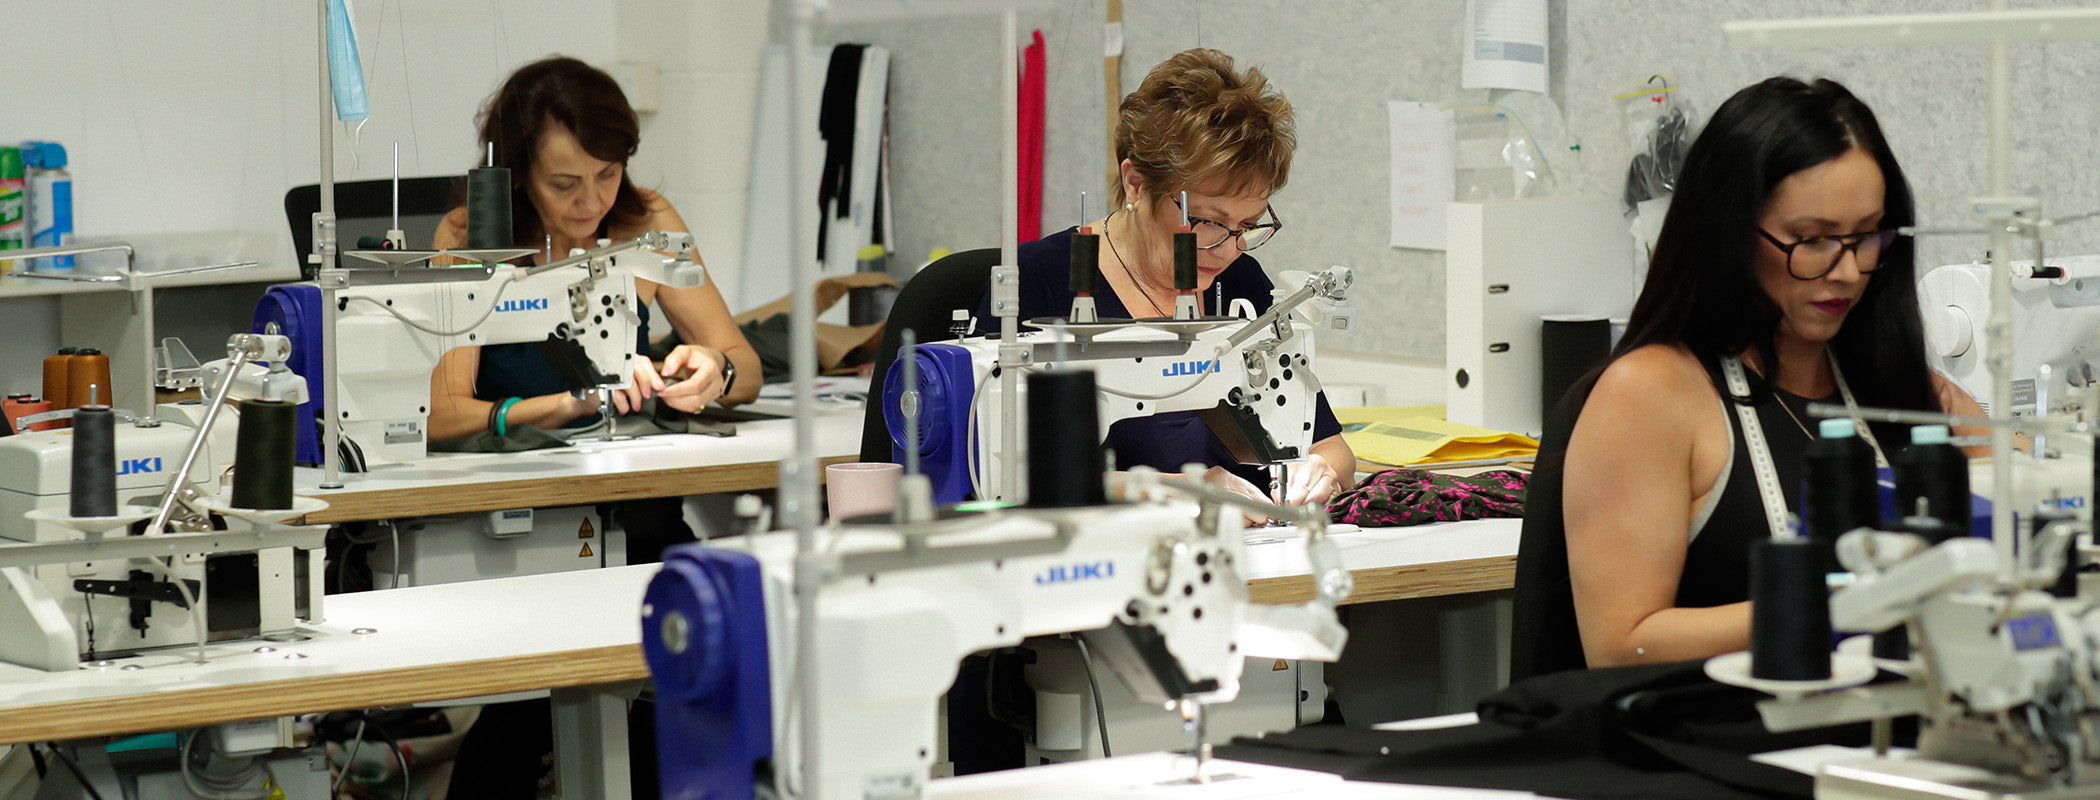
(346, 72)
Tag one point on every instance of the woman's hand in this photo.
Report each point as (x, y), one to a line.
(642, 385)
(1223, 478)
(697, 374)
(1313, 482)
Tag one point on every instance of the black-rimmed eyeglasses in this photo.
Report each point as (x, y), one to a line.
(1812, 257)
(1210, 234)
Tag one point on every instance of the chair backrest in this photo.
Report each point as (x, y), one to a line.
(925, 307)
(366, 208)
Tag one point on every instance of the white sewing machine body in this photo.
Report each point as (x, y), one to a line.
(1256, 396)
(1159, 599)
(384, 365)
(55, 612)
(2056, 328)
(2002, 675)
(393, 323)
(35, 473)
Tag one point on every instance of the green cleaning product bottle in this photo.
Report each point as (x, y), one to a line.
(14, 224)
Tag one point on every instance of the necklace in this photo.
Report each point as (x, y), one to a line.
(1790, 414)
(1109, 236)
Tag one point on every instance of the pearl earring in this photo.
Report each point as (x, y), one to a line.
(1129, 207)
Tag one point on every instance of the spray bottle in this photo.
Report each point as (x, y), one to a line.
(50, 194)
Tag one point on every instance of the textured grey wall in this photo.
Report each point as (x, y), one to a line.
(1339, 61)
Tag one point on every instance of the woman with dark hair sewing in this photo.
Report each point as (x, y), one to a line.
(1778, 280)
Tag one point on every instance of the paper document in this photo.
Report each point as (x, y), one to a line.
(1423, 172)
(1405, 436)
(1505, 45)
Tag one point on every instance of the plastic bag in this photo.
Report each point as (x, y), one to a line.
(1498, 157)
(1658, 121)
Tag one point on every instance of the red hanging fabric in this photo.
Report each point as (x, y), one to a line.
(1031, 140)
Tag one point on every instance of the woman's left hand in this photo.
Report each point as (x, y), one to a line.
(703, 367)
(1314, 481)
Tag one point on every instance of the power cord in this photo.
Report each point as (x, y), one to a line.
(1086, 659)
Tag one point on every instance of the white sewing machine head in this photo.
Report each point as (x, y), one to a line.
(392, 324)
(2056, 331)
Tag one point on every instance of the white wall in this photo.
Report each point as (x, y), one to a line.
(187, 121)
(697, 148)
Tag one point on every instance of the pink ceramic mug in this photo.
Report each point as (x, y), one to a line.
(861, 487)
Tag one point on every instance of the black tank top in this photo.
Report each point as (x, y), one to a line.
(1717, 564)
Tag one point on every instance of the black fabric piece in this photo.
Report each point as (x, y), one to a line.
(516, 439)
(1659, 731)
(835, 124)
(769, 338)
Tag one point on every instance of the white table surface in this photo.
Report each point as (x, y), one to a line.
(760, 440)
(417, 628)
(1368, 548)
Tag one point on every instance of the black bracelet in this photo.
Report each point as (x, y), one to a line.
(728, 373)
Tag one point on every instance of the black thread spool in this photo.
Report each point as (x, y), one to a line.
(1789, 611)
(262, 453)
(94, 462)
(1839, 491)
(488, 208)
(1185, 260)
(1935, 471)
(1086, 260)
(1064, 440)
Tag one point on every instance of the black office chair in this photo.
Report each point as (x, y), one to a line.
(1543, 634)
(925, 307)
(366, 208)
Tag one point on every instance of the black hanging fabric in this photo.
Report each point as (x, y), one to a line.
(835, 123)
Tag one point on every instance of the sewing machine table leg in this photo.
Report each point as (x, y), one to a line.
(590, 742)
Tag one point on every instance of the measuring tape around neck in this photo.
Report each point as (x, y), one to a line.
(1761, 462)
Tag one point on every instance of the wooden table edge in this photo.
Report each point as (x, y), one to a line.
(176, 709)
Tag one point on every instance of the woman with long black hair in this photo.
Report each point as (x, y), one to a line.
(1779, 260)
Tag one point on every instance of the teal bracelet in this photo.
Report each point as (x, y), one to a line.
(503, 415)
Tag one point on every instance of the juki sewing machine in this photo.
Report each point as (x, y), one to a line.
(1250, 381)
(1153, 587)
(256, 578)
(394, 321)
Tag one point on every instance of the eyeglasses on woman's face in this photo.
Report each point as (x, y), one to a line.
(1211, 233)
(1812, 257)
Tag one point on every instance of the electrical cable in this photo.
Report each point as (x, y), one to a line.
(394, 534)
(1163, 395)
(182, 587)
(357, 740)
(495, 299)
(970, 434)
(399, 756)
(67, 761)
(1086, 659)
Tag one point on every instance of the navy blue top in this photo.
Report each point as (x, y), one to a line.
(1161, 441)
(517, 369)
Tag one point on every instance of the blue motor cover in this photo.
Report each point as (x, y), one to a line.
(945, 388)
(296, 308)
(704, 636)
